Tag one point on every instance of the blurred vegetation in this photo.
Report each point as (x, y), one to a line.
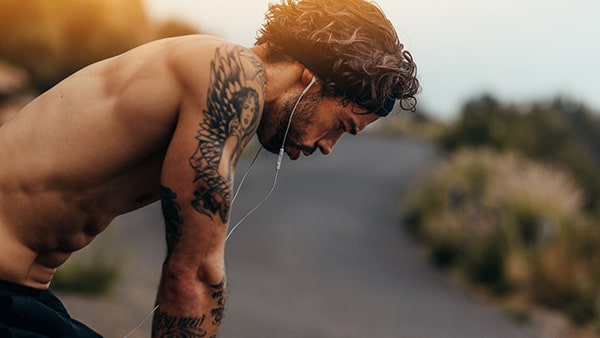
(52, 39)
(513, 208)
(93, 272)
(562, 133)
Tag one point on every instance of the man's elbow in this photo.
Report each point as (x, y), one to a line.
(186, 281)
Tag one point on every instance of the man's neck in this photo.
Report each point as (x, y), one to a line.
(280, 76)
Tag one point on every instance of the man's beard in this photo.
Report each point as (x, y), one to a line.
(271, 134)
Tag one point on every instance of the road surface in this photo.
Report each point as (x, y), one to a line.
(324, 257)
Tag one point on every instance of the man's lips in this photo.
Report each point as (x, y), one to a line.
(295, 151)
(308, 150)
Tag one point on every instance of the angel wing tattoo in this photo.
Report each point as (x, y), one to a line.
(230, 120)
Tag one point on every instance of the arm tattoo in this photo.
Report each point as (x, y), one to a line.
(173, 219)
(212, 197)
(178, 327)
(171, 326)
(259, 74)
(229, 122)
(219, 295)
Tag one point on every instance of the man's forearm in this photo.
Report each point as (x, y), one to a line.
(191, 293)
(166, 325)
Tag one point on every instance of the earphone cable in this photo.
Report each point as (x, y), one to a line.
(246, 172)
(278, 166)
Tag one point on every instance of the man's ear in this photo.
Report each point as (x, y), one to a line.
(307, 77)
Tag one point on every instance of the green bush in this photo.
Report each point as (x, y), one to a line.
(92, 275)
(560, 133)
(485, 262)
(512, 225)
(53, 39)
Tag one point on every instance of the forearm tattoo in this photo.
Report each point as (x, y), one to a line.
(175, 327)
(165, 325)
(173, 219)
(219, 295)
(229, 122)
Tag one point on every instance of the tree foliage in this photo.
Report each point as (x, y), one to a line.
(561, 133)
(52, 39)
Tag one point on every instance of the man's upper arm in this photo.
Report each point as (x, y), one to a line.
(198, 171)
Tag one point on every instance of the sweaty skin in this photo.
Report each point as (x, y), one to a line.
(153, 123)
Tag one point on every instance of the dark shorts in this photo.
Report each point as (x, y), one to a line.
(31, 313)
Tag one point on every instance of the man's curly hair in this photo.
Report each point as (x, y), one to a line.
(350, 46)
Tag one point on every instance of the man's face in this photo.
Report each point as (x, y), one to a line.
(318, 123)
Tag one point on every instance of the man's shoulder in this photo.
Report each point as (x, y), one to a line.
(208, 49)
(199, 57)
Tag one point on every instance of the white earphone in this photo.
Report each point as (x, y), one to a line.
(279, 160)
(287, 129)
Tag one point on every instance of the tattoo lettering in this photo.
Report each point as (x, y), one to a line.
(218, 294)
(173, 219)
(229, 122)
(178, 327)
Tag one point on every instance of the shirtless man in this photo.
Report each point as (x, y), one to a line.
(168, 120)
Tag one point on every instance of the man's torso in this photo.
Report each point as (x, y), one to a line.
(90, 149)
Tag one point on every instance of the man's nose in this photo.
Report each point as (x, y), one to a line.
(326, 143)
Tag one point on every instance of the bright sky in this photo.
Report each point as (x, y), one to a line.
(517, 50)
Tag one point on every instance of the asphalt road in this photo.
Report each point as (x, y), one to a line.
(324, 257)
